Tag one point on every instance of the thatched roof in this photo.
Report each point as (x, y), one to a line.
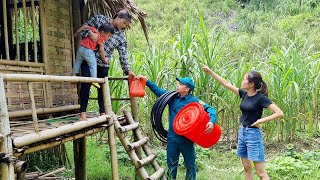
(111, 7)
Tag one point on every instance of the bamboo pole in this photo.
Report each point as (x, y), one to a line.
(20, 174)
(112, 142)
(43, 34)
(129, 127)
(16, 114)
(34, 27)
(147, 160)
(118, 78)
(76, 19)
(51, 133)
(5, 27)
(21, 63)
(82, 154)
(33, 107)
(24, 11)
(139, 143)
(49, 78)
(21, 69)
(53, 172)
(6, 170)
(76, 159)
(17, 29)
(157, 175)
(61, 141)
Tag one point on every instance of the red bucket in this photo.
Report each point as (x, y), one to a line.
(191, 122)
(137, 87)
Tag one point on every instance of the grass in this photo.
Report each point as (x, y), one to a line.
(284, 161)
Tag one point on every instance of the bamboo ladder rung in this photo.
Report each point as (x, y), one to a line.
(129, 127)
(157, 175)
(147, 160)
(139, 143)
(138, 133)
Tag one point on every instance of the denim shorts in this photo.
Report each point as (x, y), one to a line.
(250, 144)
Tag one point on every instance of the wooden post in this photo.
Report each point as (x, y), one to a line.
(5, 27)
(21, 175)
(33, 107)
(112, 141)
(79, 150)
(34, 27)
(76, 22)
(16, 28)
(6, 170)
(43, 34)
(24, 11)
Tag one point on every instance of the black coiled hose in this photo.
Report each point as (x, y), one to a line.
(156, 115)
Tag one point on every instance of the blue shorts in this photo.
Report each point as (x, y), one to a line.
(250, 144)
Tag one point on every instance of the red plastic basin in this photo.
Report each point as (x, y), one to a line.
(191, 122)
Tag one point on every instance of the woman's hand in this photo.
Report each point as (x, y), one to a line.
(206, 69)
(256, 124)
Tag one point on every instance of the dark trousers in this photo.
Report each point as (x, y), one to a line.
(102, 72)
(188, 152)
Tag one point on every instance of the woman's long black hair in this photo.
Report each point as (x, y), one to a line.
(259, 84)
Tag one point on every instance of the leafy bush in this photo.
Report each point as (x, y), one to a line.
(295, 165)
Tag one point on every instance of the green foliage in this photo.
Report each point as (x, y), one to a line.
(295, 165)
(21, 28)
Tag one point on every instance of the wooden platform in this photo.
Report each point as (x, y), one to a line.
(55, 131)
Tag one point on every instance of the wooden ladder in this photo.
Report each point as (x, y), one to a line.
(131, 147)
(134, 149)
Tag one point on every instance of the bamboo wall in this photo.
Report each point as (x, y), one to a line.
(56, 57)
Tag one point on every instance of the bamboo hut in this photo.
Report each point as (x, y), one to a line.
(37, 51)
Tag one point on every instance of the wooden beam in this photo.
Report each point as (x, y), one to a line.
(43, 35)
(49, 78)
(21, 63)
(76, 22)
(5, 27)
(24, 11)
(34, 27)
(33, 107)
(20, 69)
(40, 147)
(111, 132)
(16, 12)
(16, 114)
(51, 133)
(118, 78)
(6, 170)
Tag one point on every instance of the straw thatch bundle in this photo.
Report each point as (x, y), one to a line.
(111, 7)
